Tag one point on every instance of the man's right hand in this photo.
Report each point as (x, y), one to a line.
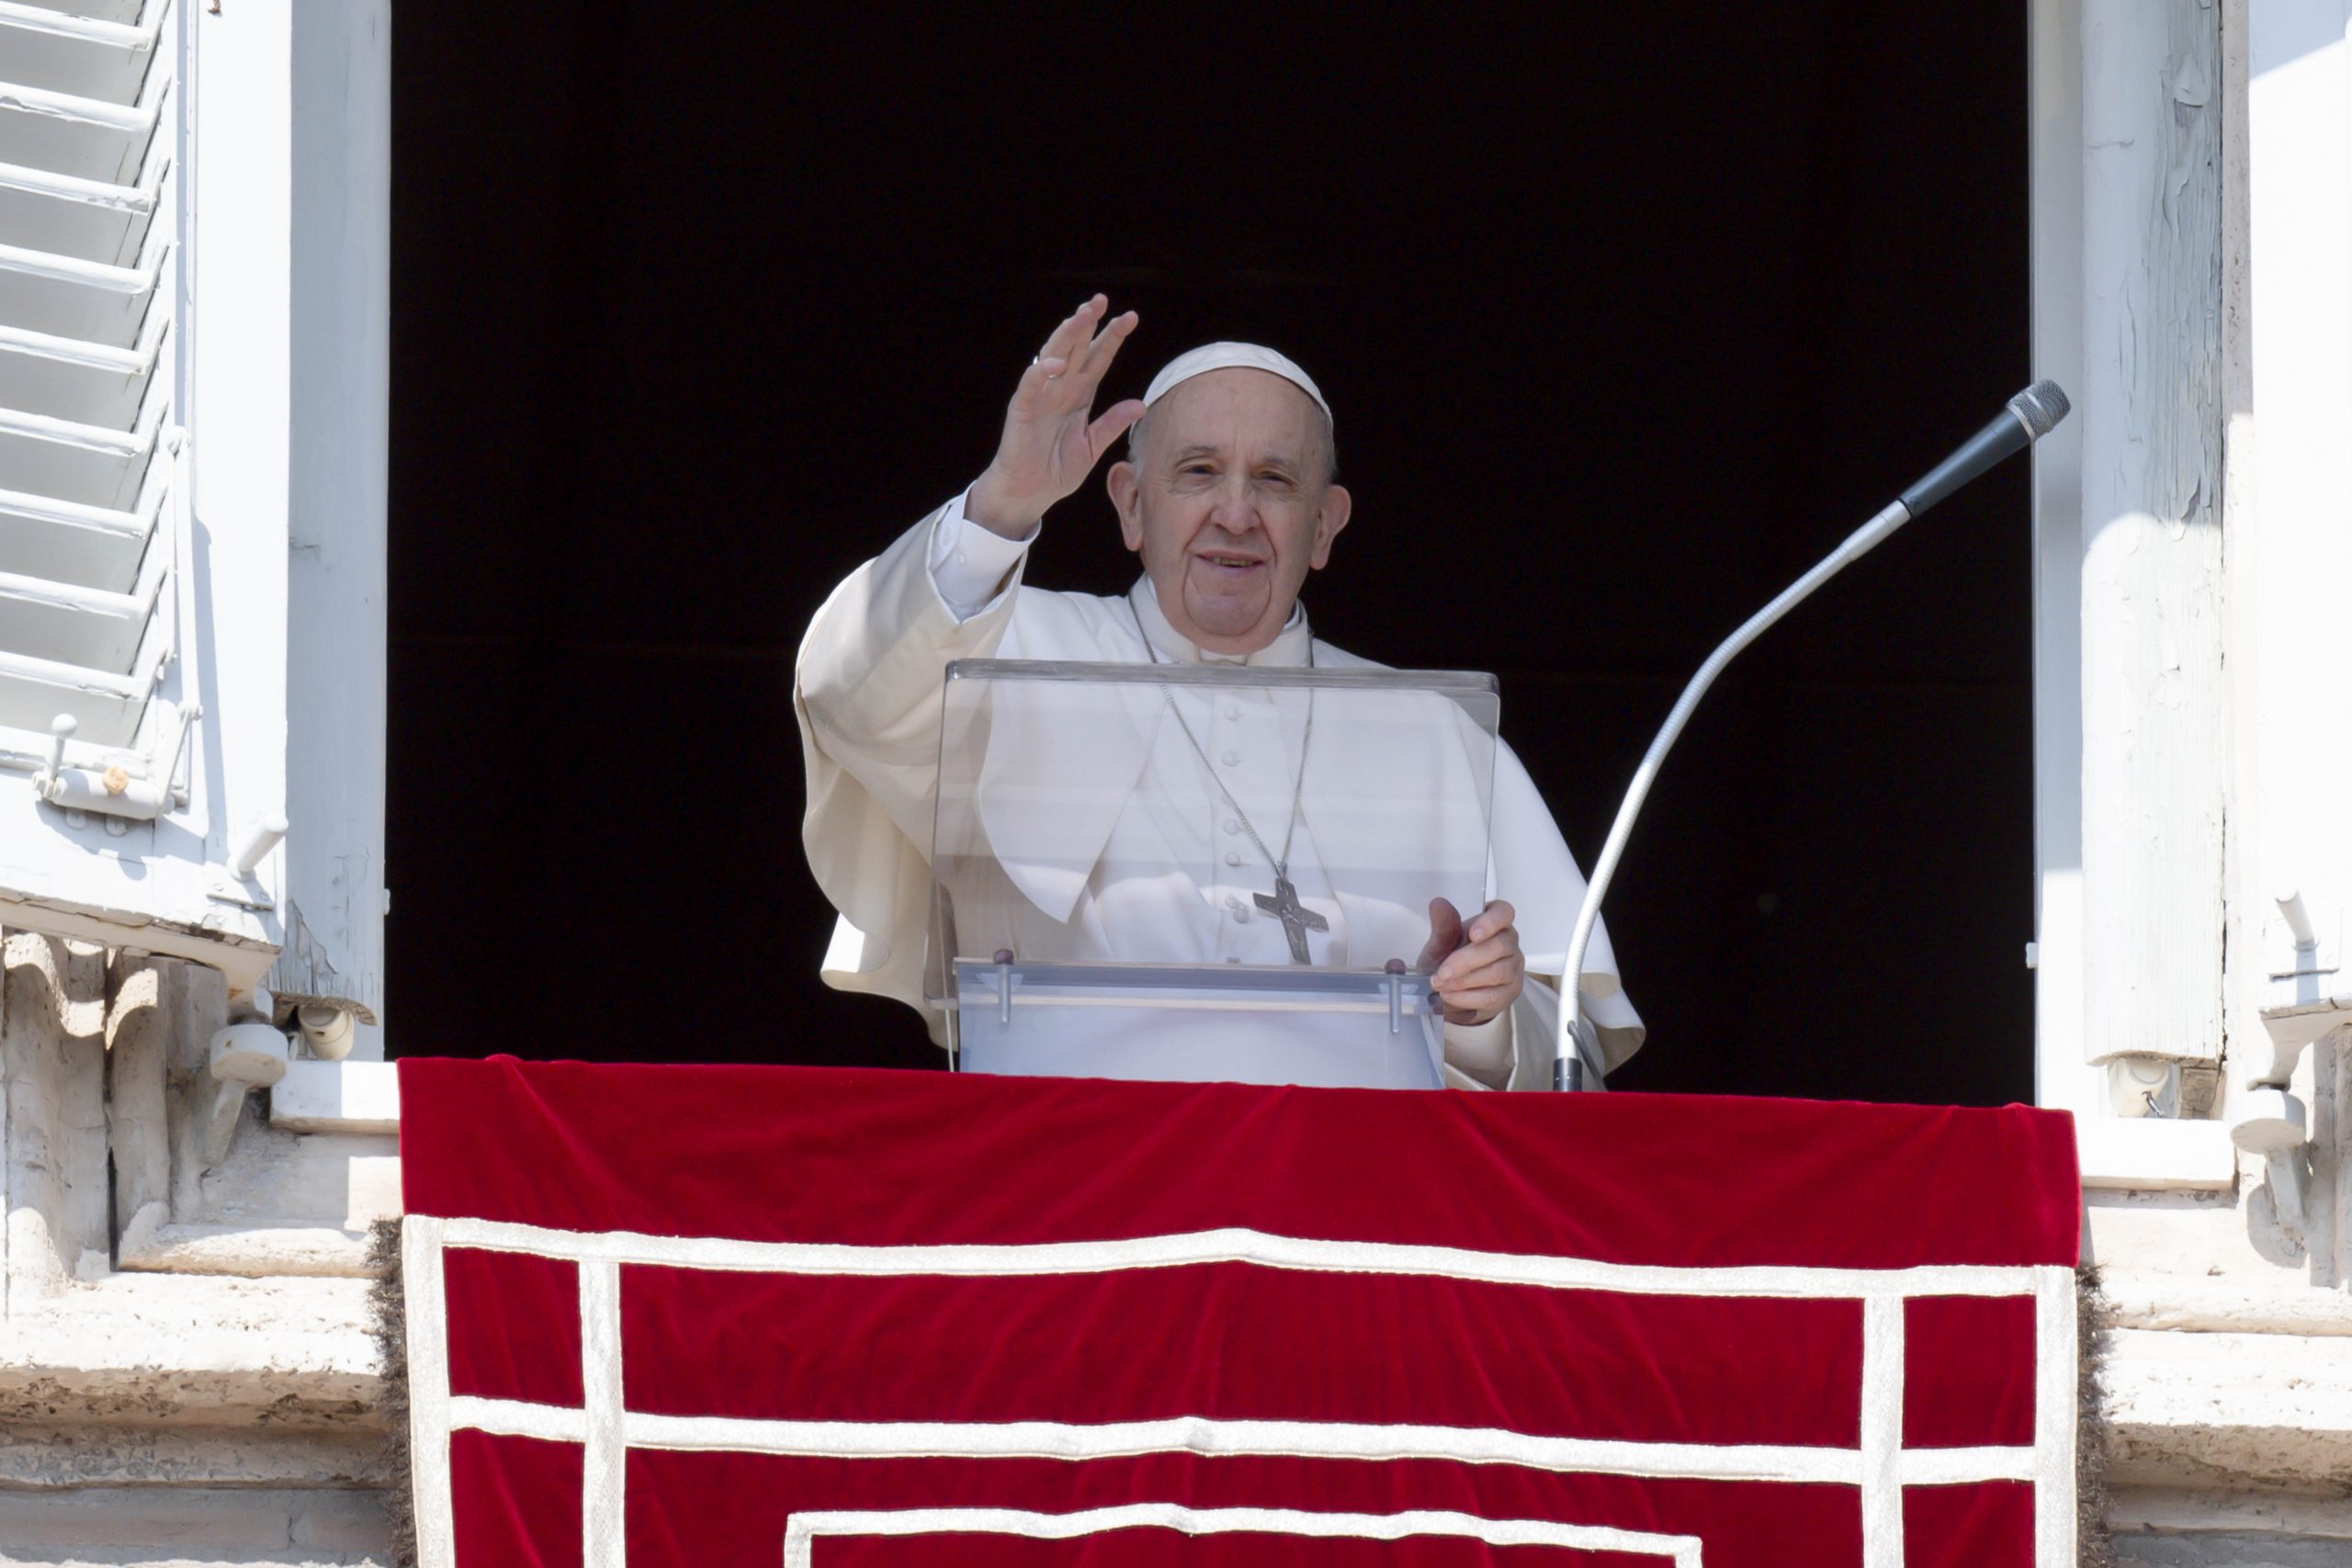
(1050, 444)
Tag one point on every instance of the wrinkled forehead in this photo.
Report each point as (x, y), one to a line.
(1245, 411)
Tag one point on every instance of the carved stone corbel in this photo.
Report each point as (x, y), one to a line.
(160, 1087)
(52, 1114)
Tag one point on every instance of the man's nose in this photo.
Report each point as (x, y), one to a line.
(1236, 508)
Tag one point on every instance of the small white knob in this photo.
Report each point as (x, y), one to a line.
(2299, 920)
(60, 730)
(2269, 1121)
(249, 1053)
(264, 838)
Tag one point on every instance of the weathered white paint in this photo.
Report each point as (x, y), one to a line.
(2248, 898)
(337, 581)
(2075, 203)
(240, 403)
(2153, 758)
(126, 897)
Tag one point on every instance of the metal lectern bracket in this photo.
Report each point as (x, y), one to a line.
(1005, 985)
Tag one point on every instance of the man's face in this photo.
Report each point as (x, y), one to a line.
(1232, 506)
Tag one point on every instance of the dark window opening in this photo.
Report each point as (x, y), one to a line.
(1627, 315)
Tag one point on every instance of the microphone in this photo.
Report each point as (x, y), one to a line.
(2028, 417)
(2031, 415)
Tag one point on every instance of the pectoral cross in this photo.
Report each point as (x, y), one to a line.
(1296, 918)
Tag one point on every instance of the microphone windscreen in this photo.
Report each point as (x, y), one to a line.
(2040, 408)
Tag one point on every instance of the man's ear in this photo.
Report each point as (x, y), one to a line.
(1126, 497)
(1337, 504)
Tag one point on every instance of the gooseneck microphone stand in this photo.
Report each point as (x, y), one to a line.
(2028, 417)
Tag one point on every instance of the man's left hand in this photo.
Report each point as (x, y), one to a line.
(1479, 968)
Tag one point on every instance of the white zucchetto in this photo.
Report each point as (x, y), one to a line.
(1232, 356)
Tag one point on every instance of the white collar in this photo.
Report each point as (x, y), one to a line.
(1292, 648)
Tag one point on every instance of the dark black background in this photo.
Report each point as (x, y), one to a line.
(1628, 313)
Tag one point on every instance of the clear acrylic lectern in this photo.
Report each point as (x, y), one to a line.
(1203, 871)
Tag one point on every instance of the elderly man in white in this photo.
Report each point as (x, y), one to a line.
(1230, 499)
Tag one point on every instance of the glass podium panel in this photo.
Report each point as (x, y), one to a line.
(1203, 871)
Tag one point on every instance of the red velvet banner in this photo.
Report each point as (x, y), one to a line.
(716, 1316)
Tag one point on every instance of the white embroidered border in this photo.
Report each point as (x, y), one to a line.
(802, 1534)
(428, 1312)
(1235, 1247)
(1880, 1468)
(2054, 1413)
(1253, 1440)
(603, 1445)
(1880, 1455)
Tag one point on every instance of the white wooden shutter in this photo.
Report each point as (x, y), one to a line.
(90, 481)
(194, 285)
(94, 501)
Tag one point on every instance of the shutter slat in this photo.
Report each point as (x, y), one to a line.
(67, 134)
(89, 382)
(124, 11)
(77, 626)
(35, 691)
(85, 547)
(82, 55)
(84, 463)
(67, 216)
(66, 297)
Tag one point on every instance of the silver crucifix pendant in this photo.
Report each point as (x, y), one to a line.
(1296, 918)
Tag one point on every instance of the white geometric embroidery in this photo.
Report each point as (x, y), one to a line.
(1880, 1466)
(806, 1529)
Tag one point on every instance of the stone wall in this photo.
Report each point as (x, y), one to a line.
(186, 1371)
(2229, 1367)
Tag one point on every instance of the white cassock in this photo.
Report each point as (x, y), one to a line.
(1160, 864)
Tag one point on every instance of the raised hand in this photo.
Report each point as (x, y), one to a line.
(1052, 439)
(1477, 969)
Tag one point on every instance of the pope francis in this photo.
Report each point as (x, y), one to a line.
(1228, 495)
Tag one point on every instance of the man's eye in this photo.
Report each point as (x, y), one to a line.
(1194, 468)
